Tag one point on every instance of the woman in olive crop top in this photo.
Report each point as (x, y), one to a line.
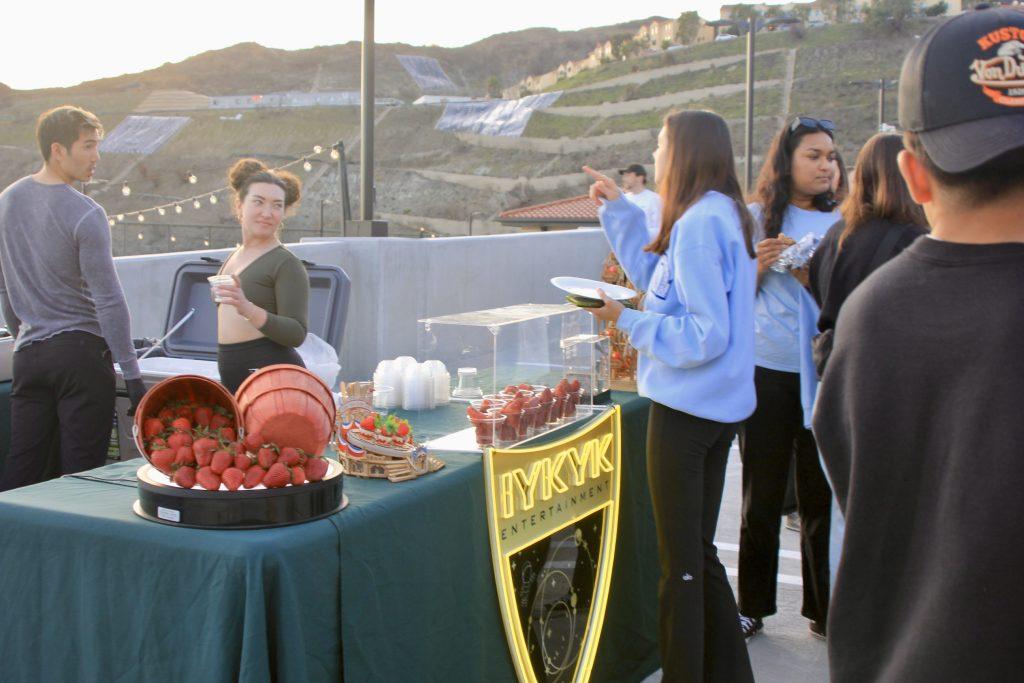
(263, 316)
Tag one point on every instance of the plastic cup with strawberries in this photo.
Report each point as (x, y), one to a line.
(516, 427)
(488, 423)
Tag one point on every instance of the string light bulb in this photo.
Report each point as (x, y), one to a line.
(162, 211)
(125, 190)
(173, 238)
(142, 218)
(213, 199)
(120, 217)
(177, 208)
(306, 166)
(111, 221)
(196, 204)
(140, 235)
(335, 154)
(317, 149)
(206, 243)
(192, 179)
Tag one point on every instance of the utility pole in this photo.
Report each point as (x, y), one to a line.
(748, 137)
(366, 226)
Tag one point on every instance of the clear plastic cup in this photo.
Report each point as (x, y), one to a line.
(488, 422)
(219, 281)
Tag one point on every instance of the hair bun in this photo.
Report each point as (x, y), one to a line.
(242, 171)
(292, 187)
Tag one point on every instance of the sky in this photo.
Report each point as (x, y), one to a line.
(56, 43)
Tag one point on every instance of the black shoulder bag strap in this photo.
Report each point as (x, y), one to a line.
(821, 345)
(885, 248)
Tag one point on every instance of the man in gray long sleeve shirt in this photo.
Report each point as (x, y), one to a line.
(62, 301)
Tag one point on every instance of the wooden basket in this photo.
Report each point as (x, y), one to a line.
(191, 388)
(289, 406)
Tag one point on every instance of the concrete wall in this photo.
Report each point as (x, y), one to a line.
(397, 281)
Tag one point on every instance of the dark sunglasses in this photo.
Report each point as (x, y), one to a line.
(812, 123)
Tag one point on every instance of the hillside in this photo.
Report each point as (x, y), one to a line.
(606, 117)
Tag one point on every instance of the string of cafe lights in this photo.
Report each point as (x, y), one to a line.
(211, 197)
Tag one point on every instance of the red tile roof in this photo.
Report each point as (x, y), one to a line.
(581, 210)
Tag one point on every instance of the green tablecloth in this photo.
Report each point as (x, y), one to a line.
(397, 587)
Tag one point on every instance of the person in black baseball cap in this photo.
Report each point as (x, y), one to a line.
(634, 182)
(918, 417)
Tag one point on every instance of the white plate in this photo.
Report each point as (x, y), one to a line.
(581, 286)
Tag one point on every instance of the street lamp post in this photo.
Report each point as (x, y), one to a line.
(475, 213)
(752, 25)
(367, 226)
(882, 85)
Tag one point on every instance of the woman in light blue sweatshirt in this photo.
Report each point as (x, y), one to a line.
(695, 343)
(793, 199)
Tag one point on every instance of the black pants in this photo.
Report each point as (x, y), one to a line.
(699, 630)
(235, 362)
(772, 439)
(62, 408)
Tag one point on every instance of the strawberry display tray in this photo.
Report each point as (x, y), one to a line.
(260, 508)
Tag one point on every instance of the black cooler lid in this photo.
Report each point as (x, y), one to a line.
(329, 288)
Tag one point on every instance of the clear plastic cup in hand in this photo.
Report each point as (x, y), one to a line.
(219, 281)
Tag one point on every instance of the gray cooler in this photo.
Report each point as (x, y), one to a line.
(192, 349)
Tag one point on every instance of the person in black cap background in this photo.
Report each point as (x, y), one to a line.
(634, 182)
(919, 416)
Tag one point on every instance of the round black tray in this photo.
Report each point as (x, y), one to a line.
(243, 509)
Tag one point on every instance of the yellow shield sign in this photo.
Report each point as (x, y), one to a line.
(552, 516)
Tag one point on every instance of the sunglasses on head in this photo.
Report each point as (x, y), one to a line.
(812, 123)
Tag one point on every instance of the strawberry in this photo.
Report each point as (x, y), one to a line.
(233, 478)
(513, 407)
(203, 415)
(184, 411)
(218, 421)
(253, 441)
(475, 414)
(298, 476)
(166, 416)
(204, 445)
(236, 448)
(289, 456)
(546, 396)
(369, 423)
(179, 439)
(266, 457)
(162, 460)
(403, 429)
(316, 468)
(185, 477)
(226, 434)
(525, 387)
(243, 461)
(159, 443)
(510, 389)
(184, 456)
(151, 427)
(253, 476)
(277, 476)
(575, 386)
(208, 479)
(221, 461)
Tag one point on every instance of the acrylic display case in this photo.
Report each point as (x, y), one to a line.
(522, 370)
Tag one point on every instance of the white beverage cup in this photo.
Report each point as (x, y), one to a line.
(217, 281)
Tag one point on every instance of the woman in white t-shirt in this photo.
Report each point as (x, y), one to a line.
(793, 198)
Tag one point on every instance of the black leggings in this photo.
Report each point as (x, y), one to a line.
(699, 631)
(235, 362)
(773, 439)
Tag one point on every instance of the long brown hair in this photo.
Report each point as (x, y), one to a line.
(775, 181)
(698, 160)
(877, 191)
